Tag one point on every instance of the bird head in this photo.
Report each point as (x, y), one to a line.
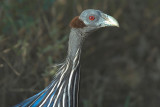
(91, 19)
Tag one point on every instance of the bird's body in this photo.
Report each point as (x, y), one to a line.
(63, 90)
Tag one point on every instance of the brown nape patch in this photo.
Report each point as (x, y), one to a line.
(77, 23)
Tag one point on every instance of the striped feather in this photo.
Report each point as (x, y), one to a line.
(62, 91)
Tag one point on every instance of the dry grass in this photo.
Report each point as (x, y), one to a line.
(120, 67)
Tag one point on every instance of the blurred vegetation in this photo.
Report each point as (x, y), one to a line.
(120, 67)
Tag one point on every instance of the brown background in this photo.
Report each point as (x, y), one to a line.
(120, 67)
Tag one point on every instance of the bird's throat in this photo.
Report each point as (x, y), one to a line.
(76, 39)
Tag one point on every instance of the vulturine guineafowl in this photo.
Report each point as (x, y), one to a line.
(63, 90)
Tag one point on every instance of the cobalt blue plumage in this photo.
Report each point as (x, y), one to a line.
(59, 93)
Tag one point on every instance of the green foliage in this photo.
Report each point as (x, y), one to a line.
(115, 62)
(47, 4)
(127, 101)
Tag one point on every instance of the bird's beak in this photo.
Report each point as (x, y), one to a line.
(109, 21)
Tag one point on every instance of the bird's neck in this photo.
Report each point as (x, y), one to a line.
(76, 39)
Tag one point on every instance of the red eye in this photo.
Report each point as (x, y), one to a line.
(91, 18)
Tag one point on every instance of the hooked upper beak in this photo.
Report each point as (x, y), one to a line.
(109, 21)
